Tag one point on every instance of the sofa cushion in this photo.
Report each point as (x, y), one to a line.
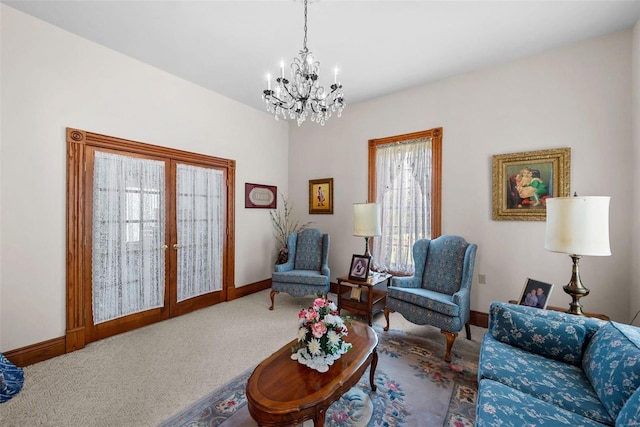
(548, 337)
(591, 324)
(629, 415)
(500, 405)
(561, 384)
(612, 363)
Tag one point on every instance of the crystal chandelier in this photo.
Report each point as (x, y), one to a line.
(303, 96)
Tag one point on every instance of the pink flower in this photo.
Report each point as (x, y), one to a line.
(318, 329)
(302, 313)
(319, 303)
(312, 316)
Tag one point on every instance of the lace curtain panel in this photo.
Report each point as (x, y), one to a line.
(403, 187)
(128, 236)
(201, 224)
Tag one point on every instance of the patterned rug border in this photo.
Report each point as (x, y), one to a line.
(198, 407)
(230, 398)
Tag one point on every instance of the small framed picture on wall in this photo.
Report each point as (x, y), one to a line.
(321, 196)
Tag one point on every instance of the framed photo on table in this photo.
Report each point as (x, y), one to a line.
(522, 183)
(321, 196)
(535, 293)
(359, 267)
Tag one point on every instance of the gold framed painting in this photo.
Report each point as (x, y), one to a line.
(522, 183)
(321, 196)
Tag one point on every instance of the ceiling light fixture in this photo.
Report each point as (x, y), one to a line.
(303, 96)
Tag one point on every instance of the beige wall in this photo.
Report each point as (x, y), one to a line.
(577, 97)
(634, 301)
(52, 79)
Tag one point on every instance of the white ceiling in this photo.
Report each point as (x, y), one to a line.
(380, 47)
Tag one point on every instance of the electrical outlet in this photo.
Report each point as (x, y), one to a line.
(482, 279)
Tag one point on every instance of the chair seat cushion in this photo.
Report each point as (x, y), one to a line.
(431, 300)
(565, 387)
(304, 277)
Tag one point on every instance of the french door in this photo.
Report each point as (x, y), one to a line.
(155, 235)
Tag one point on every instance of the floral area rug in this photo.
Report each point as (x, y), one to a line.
(415, 387)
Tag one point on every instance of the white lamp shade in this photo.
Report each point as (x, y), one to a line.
(366, 219)
(578, 225)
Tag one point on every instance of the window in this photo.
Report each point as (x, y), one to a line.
(405, 178)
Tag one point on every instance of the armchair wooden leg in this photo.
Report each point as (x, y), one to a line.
(467, 328)
(451, 337)
(271, 295)
(386, 317)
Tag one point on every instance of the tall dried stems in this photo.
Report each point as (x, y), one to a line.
(284, 224)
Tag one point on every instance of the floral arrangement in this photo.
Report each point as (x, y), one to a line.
(320, 336)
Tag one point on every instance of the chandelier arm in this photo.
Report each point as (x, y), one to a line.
(289, 92)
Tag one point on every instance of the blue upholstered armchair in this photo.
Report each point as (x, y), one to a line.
(306, 271)
(439, 292)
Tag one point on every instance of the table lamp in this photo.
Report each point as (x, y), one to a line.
(578, 226)
(366, 222)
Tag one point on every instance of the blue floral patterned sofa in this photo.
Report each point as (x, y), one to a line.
(546, 368)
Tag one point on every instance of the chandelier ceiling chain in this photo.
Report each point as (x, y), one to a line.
(303, 96)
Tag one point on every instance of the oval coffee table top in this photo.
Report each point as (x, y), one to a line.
(280, 385)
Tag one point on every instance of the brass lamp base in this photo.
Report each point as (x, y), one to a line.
(575, 288)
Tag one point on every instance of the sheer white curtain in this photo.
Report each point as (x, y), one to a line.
(201, 226)
(403, 187)
(128, 236)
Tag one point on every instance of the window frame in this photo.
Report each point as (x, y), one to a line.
(436, 179)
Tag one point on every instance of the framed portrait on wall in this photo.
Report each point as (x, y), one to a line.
(321, 196)
(522, 183)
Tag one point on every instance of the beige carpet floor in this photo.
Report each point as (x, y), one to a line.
(142, 377)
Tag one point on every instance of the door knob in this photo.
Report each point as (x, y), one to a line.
(176, 246)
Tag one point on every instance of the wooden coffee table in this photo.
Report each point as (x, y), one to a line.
(283, 392)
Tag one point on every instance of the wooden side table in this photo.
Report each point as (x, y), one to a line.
(565, 310)
(362, 297)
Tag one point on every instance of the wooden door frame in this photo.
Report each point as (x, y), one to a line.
(77, 142)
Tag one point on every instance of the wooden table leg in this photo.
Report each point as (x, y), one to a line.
(372, 369)
(318, 421)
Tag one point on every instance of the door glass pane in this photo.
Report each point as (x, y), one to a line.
(128, 236)
(200, 216)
